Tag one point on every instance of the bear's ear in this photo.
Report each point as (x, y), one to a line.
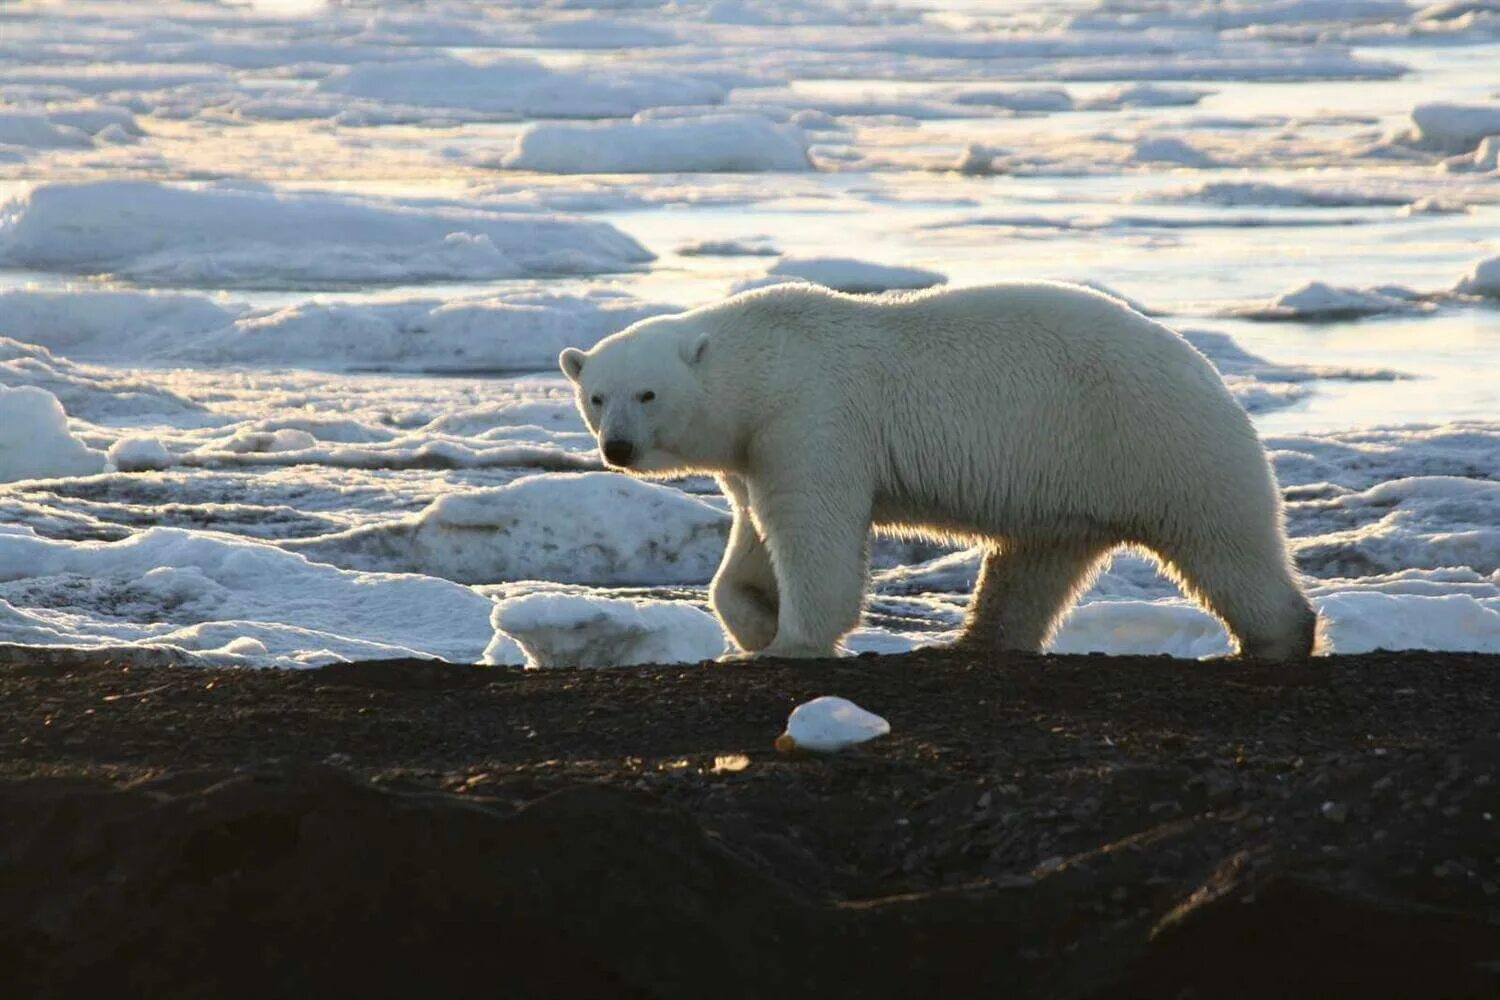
(571, 362)
(692, 350)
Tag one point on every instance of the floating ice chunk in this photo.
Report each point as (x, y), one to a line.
(574, 630)
(1022, 99)
(1237, 193)
(1486, 156)
(35, 442)
(1452, 128)
(139, 454)
(525, 87)
(845, 274)
(1436, 206)
(1143, 95)
(729, 248)
(828, 725)
(596, 527)
(1318, 301)
(1483, 279)
(1168, 149)
(716, 143)
(257, 237)
(35, 130)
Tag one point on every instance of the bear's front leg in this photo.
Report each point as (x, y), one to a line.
(743, 593)
(817, 530)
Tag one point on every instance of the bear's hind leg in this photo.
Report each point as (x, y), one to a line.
(1256, 596)
(1024, 591)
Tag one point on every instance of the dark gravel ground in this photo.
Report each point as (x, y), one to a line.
(1046, 827)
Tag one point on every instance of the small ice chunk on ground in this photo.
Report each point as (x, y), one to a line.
(1483, 279)
(845, 274)
(1453, 128)
(1318, 301)
(713, 143)
(1023, 99)
(830, 724)
(139, 454)
(35, 442)
(576, 630)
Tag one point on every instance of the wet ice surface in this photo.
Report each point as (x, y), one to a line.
(295, 274)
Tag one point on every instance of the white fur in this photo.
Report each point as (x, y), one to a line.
(1049, 422)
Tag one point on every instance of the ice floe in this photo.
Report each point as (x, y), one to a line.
(253, 236)
(845, 274)
(1483, 279)
(1318, 301)
(711, 143)
(511, 86)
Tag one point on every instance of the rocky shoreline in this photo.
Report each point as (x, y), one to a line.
(1042, 826)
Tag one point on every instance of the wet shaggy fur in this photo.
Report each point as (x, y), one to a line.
(1049, 423)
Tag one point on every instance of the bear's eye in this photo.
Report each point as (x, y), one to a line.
(597, 400)
(647, 396)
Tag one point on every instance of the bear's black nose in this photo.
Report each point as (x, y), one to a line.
(618, 452)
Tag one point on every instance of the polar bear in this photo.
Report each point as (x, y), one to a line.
(1048, 423)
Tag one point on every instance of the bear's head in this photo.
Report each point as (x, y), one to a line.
(642, 395)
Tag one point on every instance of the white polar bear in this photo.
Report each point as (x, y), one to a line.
(1047, 422)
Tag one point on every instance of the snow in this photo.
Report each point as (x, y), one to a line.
(139, 454)
(366, 371)
(563, 630)
(1453, 128)
(830, 724)
(200, 592)
(513, 330)
(716, 143)
(729, 248)
(254, 236)
(35, 442)
(846, 274)
(600, 528)
(1168, 149)
(510, 86)
(1318, 301)
(1483, 279)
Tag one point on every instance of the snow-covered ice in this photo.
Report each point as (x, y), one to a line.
(594, 527)
(712, 143)
(845, 274)
(281, 294)
(562, 630)
(35, 442)
(253, 236)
